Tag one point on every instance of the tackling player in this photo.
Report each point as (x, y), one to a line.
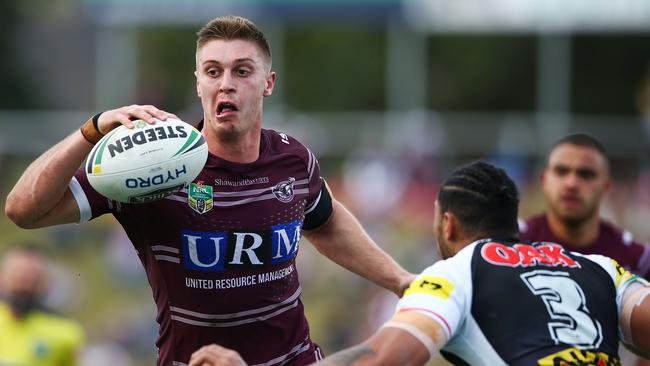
(496, 300)
(220, 254)
(499, 301)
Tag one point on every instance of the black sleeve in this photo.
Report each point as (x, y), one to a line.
(320, 211)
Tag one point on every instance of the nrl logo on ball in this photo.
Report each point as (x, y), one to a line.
(283, 191)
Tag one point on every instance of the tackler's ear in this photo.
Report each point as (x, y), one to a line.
(449, 226)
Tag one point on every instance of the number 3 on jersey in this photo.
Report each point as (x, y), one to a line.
(565, 302)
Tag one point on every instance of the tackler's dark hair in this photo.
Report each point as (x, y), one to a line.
(483, 198)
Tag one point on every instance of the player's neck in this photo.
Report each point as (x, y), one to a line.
(576, 234)
(237, 149)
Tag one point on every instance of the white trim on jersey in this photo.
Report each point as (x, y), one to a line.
(418, 334)
(235, 323)
(166, 258)
(240, 314)
(85, 212)
(240, 202)
(313, 206)
(295, 351)
(471, 345)
(311, 157)
(312, 164)
(250, 192)
(163, 253)
(165, 248)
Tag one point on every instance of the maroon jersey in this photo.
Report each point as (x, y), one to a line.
(611, 242)
(220, 254)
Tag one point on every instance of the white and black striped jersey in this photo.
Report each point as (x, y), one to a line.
(505, 302)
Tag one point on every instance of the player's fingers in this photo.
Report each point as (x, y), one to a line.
(200, 356)
(158, 113)
(140, 112)
(172, 115)
(197, 359)
(124, 119)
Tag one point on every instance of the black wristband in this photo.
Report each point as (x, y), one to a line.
(96, 121)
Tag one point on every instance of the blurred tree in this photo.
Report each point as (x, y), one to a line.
(166, 67)
(607, 70)
(337, 67)
(481, 72)
(14, 93)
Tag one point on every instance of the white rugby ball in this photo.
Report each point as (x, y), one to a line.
(148, 162)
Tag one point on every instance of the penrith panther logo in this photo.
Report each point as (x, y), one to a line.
(283, 191)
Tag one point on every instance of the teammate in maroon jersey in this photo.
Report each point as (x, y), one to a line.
(574, 181)
(220, 254)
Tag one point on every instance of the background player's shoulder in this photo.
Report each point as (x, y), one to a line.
(619, 236)
(529, 229)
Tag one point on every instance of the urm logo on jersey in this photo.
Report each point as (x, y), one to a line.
(219, 251)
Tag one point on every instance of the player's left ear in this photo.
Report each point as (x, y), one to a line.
(198, 90)
(270, 84)
(608, 185)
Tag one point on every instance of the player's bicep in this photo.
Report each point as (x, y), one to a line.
(66, 211)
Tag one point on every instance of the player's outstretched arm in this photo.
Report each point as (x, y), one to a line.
(344, 241)
(410, 338)
(41, 196)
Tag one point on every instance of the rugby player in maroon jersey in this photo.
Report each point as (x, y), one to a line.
(219, 254)
(574, 182)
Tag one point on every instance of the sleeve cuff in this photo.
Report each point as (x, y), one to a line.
(85, 212)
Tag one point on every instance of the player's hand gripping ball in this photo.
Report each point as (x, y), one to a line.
(148, 162)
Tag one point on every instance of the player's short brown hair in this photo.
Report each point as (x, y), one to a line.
(232, 27)
(583, 140)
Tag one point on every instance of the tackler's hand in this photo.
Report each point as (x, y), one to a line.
(216, 355)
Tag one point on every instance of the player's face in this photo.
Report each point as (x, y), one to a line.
(22, 278)
(232, 79)
(574, 182)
